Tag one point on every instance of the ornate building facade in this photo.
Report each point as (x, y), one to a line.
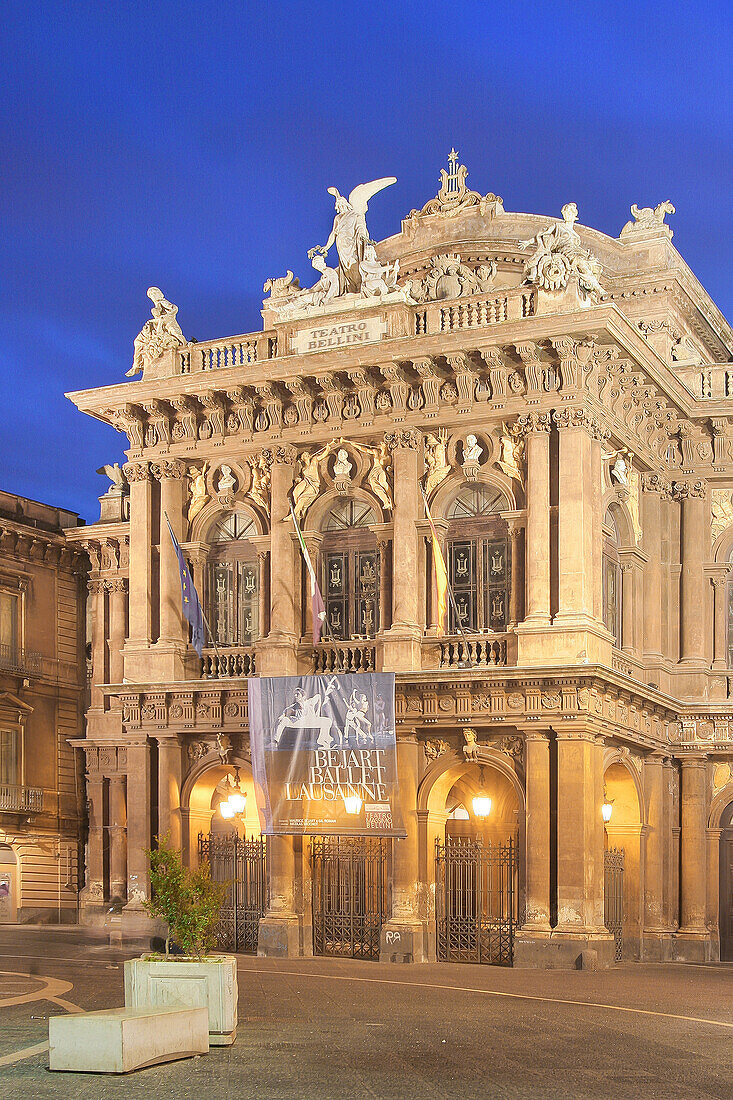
(563, 399)
(42, 704)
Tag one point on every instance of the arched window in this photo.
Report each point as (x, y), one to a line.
(611, 578)
(478, 558)
(233, 581)
(350, 570)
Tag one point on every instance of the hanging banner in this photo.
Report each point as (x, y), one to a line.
(324, 745)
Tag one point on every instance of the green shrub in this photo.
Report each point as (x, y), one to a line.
(188, 901)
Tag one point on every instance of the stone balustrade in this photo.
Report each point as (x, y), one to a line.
(351, 656)
(230, 662)
(713, 382)
(480, 651)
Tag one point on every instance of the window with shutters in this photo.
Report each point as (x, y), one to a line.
(9, 624)
(233, 581)
(350, 571)
(9, 757)
(478, 560)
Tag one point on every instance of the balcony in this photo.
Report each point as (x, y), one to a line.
(231, 662)
(20, 800)
(713, 382)
(474, 650)
(20, 661)
(353, 656)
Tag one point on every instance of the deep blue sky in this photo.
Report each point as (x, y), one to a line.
(189, 146)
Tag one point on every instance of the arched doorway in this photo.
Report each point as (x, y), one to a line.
(623, 835)
(234, 848)
(477, 857)
(8, 886)
(726, 884)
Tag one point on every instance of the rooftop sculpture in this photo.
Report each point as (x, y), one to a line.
(157, 335)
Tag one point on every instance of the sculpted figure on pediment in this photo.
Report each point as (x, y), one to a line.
(158, 335)
(559, 256)
(646, 218)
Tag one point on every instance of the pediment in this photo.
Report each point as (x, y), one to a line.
(11, 703)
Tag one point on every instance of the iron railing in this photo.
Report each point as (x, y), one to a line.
(242, 865)
(13, 659)
(23, 800)
(476, 901)
(613, 897)
(350, 891)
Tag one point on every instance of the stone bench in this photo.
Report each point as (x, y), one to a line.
(119, 1040)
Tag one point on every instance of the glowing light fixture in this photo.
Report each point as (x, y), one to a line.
(606, 808)
(481, 801)
(352, 803)
(237, 797)
(226, 809)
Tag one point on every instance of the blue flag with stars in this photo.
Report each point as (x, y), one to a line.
(190, 597)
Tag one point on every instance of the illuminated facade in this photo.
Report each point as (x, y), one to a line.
(562, 396)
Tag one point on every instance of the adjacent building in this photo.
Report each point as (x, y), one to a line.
(564, 399)
(42, 704)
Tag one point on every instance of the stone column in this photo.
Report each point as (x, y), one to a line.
(117, 628)
(713, 907)
(693, 940)
(279, 932)
(277, 654)
(720, 636)
(93, 893)
(384, 549)
(169, 789)
(172, 476)
(580, 846)
(694, 535)
(537, 543)
(141, 540)
(651, 505)
(117, 838)
(262, 601)
(402, 937)
(138, 832)
(575, 516)
(516, 534)
(627, 608)
(99, 643)
(537, 765)
(402, 650)
(656, 936)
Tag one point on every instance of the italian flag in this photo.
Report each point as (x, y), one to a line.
(319, 609)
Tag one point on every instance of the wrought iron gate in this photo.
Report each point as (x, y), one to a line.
(613, 897)
(475, 901)
(350, 877)
(242, 865)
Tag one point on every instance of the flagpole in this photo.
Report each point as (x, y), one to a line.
(449, 587)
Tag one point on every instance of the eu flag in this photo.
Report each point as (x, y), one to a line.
(190, 597)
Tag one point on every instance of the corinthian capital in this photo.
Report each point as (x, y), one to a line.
(656, 483)
(404, 438)
(136, 471)
(684, 490)
(528, 423)
(171, 468)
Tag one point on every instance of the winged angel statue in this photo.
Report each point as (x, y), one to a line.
(349, 232)
(359, 270)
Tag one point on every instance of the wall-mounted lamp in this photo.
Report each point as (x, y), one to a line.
(606, 808)
(236, 801)
(481, 801)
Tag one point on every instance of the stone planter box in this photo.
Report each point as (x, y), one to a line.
(210, 983)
